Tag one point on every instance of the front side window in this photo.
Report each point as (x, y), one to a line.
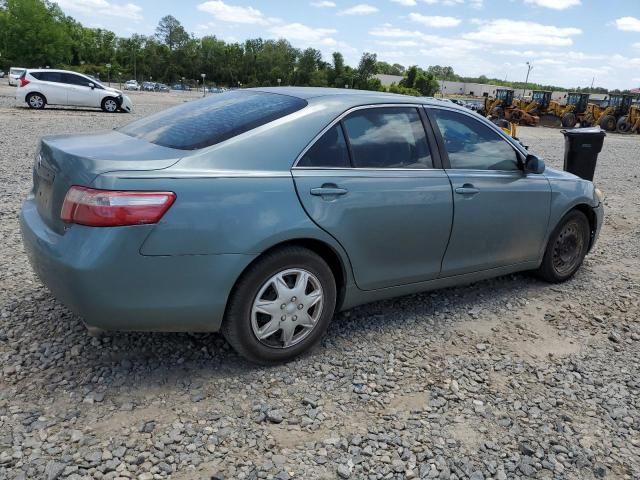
(472, 145)
(329, 151)
(213, 119)
(72, 79)
(387, 137)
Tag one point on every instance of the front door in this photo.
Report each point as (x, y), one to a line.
(372, 182)
(501, 214)
(80, 93)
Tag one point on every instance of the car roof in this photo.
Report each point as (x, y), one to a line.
(350, 97)
(54, 70)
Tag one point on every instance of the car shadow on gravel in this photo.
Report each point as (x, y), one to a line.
(136, 358)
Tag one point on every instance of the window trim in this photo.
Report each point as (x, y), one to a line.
(520, 155)
(431, 141)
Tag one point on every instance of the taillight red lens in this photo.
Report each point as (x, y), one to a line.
(24, 82)
(114, 208)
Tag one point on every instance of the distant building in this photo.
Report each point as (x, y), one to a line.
(387, 80)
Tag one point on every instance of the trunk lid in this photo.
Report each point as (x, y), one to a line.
(67, 160)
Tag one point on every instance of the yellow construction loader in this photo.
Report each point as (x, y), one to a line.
(630, 123)
(607, 117)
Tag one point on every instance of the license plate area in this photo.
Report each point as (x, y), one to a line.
(44, 188)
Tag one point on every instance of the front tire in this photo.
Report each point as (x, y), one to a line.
(109, 105)
(566, 249)
(281, 306)
(36, 101)
(623, 125)
(569, 120)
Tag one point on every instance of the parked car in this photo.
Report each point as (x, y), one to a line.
(161, 87)
(132, 85)
(200, 218)
(2, 73)
(14, 75)
(149, 86)
(178, 86)
(39, 88)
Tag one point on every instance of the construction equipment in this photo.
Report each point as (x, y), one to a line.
(566, 115)
(607, 117)
(503, 107)
(631, 121)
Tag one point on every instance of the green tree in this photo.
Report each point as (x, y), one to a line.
(171, 32)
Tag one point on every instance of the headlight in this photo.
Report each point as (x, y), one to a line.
(599, 194)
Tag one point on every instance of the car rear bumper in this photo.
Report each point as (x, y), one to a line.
(100, 274)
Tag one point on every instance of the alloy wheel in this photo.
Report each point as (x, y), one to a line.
(110, 105)
(287, 308)
(36, 101)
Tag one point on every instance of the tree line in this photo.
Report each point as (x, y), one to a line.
(37, 33)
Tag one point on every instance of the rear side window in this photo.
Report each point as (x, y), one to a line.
(329, 151)
(389, 137)
(48, 76)
(212, 120)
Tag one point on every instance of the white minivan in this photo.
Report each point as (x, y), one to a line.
(14, 75)
(61, 87)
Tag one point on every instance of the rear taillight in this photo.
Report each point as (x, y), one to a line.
(113, 208)
(23, 82)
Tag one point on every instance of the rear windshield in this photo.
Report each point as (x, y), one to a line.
(212, 120)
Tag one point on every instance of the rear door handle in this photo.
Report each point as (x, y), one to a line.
(323, 191)
(467, 189)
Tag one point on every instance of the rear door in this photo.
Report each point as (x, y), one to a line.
(52, 87)
(501, 213)
(375, 184)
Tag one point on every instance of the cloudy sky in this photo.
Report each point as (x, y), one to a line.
(569, 42)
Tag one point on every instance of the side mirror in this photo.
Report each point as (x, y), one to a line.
(92, 85)
(533, 164)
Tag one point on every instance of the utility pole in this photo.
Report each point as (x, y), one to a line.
(526, 82)
(592, 81)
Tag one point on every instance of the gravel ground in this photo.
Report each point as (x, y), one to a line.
(508, 378)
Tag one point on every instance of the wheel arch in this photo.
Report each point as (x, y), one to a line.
(327, 252)
(591, 217)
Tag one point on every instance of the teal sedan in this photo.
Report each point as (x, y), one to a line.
(263, 212)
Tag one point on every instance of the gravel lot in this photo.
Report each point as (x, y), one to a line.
(508, 378)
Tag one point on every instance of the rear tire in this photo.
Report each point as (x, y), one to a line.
(569, 120)
(608, 123)
(274, 300)
(566, 249)
(36, 101)
(110, 105)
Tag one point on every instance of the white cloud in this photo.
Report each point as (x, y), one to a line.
(298, 31)
(406, 3)
(636, 45)
(505, 32)
(434, 21)
(102, 8)
(629, 24)
(233, 13)
(360, 9)
(323, 4)
(477, 4)
(555, 4)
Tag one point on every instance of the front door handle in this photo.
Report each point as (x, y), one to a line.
(324, 191)
(467, 189)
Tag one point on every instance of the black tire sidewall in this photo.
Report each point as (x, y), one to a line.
(547, 271)
(237, 323)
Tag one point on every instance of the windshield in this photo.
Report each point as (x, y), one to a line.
(17, 71)
(211, 120)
